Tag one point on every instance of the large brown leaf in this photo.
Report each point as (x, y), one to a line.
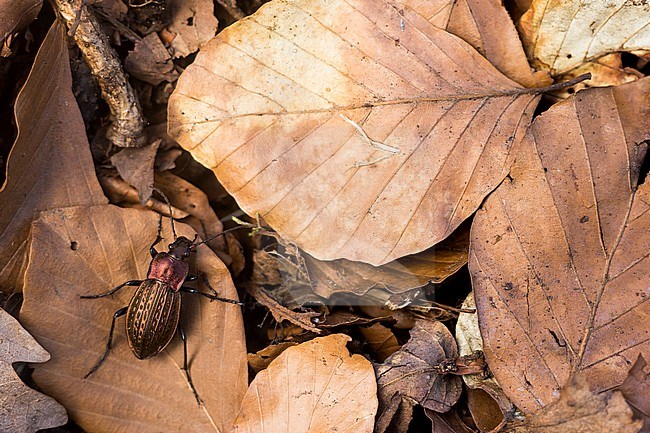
(287, 124)
(50, 164)
(314, 387)
(22, 409)
(559, 252)
(127, 394)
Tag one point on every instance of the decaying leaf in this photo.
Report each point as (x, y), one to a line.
(192, 24)
(50, 164)
(636, 390)
(559, 252)
(313, 387)
(416, 371)
(16, 15)
(578, 410)
(150, 61)
(398, 276)
(23, 410)
(88, 250)
(356, 130)
(561, 35)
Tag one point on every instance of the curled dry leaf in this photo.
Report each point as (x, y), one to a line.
(16, 15)
(559, 253)
(150, 61)
(192, 24)
(23, 410)
(413, 372)
(578, 410)
(561, 35)
(88, 250)
(636, 390)
(313, 387)
(50, 164)
(398, 276)
(356, 130)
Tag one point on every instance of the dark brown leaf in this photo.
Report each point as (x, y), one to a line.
(50, 164)
(411, 371)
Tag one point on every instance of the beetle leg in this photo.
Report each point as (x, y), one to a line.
(209, 296)
(118, 313)
(191, 278)
(110, 292)
(181, 331)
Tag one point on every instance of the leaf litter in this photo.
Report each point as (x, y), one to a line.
(379, 99)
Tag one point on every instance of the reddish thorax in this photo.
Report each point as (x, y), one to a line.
(171, 267)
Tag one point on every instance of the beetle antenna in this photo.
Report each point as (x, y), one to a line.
(171, 214)
(220, 234)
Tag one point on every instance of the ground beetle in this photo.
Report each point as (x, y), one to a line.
(152, 316)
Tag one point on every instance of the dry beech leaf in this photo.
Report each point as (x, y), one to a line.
(192, 24)
(150, 61)
(50, 164)
(16, 15)
(127, 394)
(411, 371)
(357, 130)
(315, 387)
(561, 35)
(486, 26)
(431, 266)
(636, 390)
(578, 410)
(559, 252)
(23, 410)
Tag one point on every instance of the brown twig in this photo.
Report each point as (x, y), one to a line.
(127, 129)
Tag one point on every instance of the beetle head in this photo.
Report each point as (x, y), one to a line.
(180, 249)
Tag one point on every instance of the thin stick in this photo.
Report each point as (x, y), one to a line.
(127, 129)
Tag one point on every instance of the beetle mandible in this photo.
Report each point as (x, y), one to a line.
(152, 316)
